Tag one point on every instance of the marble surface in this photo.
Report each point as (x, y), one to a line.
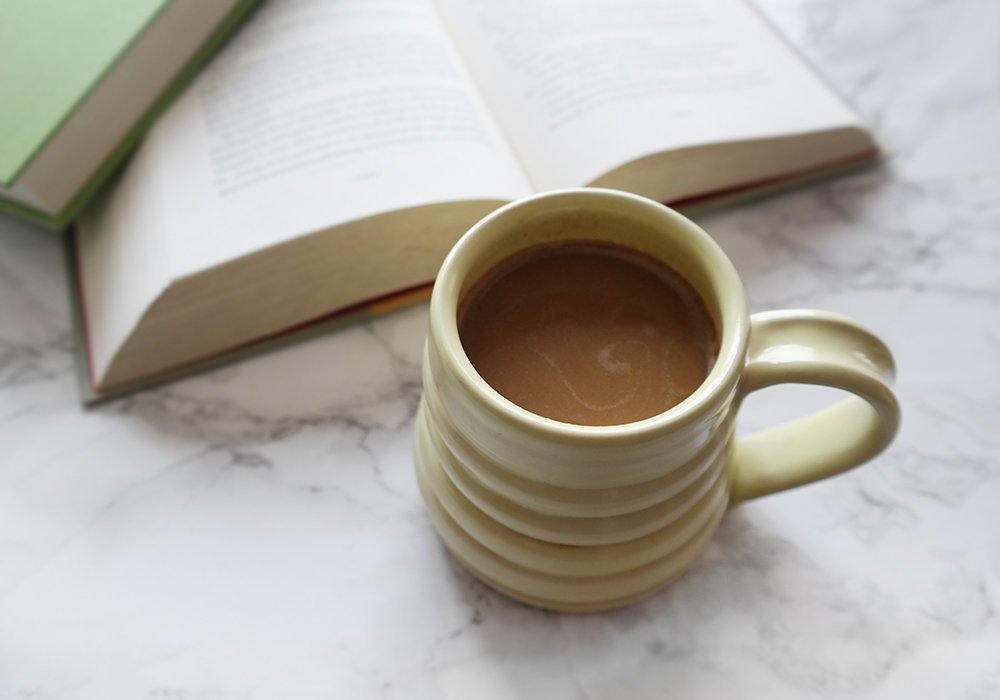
(256, 532)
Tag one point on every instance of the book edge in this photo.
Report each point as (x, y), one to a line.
(341, 319)
(760, 189)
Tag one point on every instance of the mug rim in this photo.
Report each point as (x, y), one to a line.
(723, 280)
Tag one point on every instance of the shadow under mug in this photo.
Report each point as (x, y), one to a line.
(572, 517)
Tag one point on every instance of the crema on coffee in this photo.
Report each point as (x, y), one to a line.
(587, 333)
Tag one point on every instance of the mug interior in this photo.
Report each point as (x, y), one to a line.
(602, 216)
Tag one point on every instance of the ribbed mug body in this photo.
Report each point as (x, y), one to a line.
(568, 526)
(576, 517)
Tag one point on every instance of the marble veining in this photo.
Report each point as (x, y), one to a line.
(256, 532)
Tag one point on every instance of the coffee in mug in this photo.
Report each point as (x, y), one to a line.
(588, 333)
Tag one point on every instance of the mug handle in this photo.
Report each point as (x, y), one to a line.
(826, 349)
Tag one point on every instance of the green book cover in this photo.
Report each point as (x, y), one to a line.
(54, 53)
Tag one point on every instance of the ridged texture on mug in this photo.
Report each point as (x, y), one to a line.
(621, 521)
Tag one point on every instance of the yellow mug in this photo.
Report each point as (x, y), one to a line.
(572, 517)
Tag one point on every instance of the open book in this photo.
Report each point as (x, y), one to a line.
(334, 152)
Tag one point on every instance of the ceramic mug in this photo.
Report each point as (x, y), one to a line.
(573, 517)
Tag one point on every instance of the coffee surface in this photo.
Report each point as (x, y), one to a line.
(587, 333)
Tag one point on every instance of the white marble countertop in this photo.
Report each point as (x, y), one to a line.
(256, 532)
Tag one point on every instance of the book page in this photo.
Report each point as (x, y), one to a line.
(583, 86)
(315, 114)
(319, 113)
